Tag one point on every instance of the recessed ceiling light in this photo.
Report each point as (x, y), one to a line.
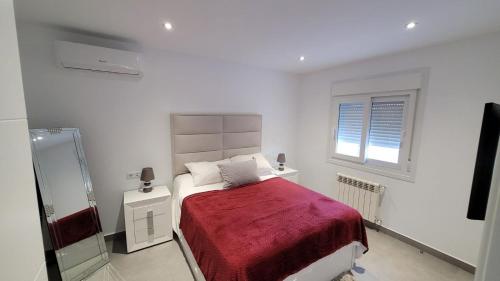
(34, 139)
(168, 26)
(302, 58)
(411, 25)
(39, 138)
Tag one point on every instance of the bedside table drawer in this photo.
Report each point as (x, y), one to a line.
(156, 227)
(157, 209)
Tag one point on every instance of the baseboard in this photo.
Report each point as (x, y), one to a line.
(424, 248)
(114, 236)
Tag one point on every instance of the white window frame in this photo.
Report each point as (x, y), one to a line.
(401, 170)
(336, 104)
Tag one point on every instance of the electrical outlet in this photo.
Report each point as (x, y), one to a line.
(133, 175)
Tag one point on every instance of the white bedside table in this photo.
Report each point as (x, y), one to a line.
(289, 174)
(148, 217)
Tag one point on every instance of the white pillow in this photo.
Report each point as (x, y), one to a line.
(263, 166)
(206, 172)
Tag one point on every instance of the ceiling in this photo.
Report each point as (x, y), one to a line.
(273, 33)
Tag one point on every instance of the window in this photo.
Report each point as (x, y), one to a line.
(374, 131)
(350, 128)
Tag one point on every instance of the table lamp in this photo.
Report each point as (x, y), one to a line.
(147, 175)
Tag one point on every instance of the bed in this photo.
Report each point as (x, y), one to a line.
(212, 137)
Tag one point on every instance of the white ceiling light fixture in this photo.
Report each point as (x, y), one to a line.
(411, 25)
(302, 58)
(168, 26)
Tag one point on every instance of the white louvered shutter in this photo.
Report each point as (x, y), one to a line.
(350, 129)
(386, 128)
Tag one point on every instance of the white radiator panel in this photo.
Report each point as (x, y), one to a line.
(361, 195)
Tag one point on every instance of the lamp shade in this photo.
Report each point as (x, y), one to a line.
(281, 158)
(147, 174)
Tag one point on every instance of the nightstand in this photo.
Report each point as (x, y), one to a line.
(148, 217)
(289, 174)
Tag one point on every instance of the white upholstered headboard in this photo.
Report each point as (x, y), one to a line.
(212, 137)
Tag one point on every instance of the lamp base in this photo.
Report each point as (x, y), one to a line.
(281, 167)
(147, 188)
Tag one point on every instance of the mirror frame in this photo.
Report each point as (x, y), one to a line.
(47, 199)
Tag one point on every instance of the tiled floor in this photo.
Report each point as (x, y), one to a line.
(388, 260)
(392, 260)
(163, 262)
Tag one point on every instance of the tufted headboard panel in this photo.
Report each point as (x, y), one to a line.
(212, 137)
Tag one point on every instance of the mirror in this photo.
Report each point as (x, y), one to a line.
(68, 200)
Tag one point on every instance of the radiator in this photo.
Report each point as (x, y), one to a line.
(362, 195)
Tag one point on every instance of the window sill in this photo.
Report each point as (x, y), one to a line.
(409, 177)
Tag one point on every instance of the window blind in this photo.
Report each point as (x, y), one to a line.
(386, 125)
(350, 128)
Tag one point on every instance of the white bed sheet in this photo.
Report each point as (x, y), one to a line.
(324, 269)
(183, 187)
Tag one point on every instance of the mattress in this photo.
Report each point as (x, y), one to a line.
(323, 269)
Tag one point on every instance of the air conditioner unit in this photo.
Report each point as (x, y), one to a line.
(86, 57)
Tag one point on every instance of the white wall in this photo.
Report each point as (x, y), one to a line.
(463, 76)
(125, 122)
(20, 235)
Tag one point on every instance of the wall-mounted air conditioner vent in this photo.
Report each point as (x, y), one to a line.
(87, 57)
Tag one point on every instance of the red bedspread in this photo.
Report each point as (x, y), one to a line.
(265, 231)
(75, 227)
